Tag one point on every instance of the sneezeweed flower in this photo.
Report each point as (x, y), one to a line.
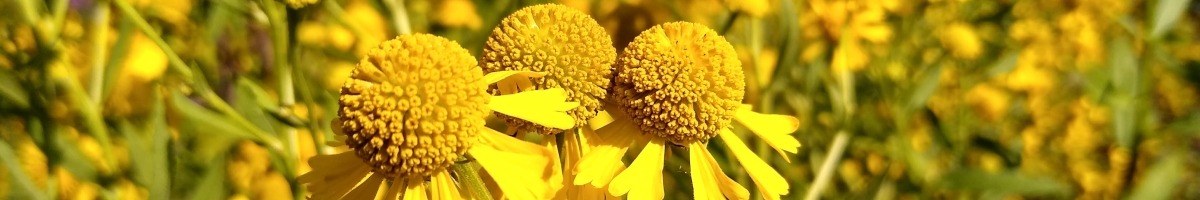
(415, 106)
(572, 51)
(681, 83)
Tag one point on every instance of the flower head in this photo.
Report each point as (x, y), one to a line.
(573, 51)
(413, 106)
(680, 81)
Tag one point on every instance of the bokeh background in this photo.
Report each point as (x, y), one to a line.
(898, 99)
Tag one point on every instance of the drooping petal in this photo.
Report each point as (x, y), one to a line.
(770, 184)
(556, 177)
(491, 78)
(776, 130)
(575, 145)
(544, 107)
(334, 175)
(443, 187)
(704, 184)
(599, 166)
(521, 169)
(602, 119)
(414, 189)
(393, 191)
(367, 189)
(648, 164)
(705, 166)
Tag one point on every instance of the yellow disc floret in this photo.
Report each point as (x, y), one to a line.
(679, 81)
(413, 106)
(569, 46)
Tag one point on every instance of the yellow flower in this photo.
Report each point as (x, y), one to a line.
(458, 13)
(413, 107)
(143, 63)
(571, 49)
(961, 40)
(753, 8)
(848, 23)
(681, 83)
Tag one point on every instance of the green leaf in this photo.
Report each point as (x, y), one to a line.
(1005, 64)
(22, 187)
(1125, 84)
(1166, 13)
(148, 143)
(209, 132)
(1004, 182)
(249, 101)
(925, 88)
(11, 91)
(1161, 179)
(212, 183)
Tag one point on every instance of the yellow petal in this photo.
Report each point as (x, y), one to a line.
(393, 191)
(367, 189)
(575, 145)
(770, 184)
(556, 177)
(704, 167)
(776, 130)
(648, 164)
(518, 174)
(443, 186)
(544, 107)
(491, 78)
(611, 142)
(502, 142)
(328, 180)
(704, 184)
(602, 119)
(415, 189)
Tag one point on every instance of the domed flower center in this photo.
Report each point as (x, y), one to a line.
(679, 81)
(413, 106)
(575, 52)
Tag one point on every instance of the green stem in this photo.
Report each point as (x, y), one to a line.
(827, 167)
(99, 31)
(399, 16)
(468, 175)
(277, 16)
(92, 121)
(176, 63)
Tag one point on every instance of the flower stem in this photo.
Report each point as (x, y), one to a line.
(468, 175)
(399, 16)
(99, 50)
(840, 141)
(277, 17)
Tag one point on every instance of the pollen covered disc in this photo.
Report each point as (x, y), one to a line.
(575, 52)
(680, 81)
(413, 105)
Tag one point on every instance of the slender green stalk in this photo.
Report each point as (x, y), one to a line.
(176, 63)
(399, 16)
(92, 121)
(827, 167)
(277, 17)
(468, 175)
(99, 31)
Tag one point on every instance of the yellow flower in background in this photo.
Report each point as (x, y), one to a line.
(143, 63)
(174, 12)
(413, 107)
(962, 40)
(296, 4)
(753, 8)
(458, 13)
(681, 83)
(848, 23)
(991, 101)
